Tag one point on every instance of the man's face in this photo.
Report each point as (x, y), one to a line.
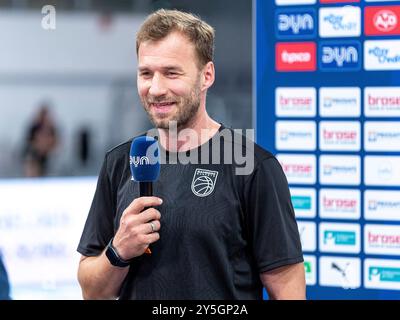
(169, 80)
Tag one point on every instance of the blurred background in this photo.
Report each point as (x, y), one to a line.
(67, 95)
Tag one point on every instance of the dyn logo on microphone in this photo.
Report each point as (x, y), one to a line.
(136, 161)
(340, 56)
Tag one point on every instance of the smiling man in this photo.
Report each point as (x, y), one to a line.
(214, 234)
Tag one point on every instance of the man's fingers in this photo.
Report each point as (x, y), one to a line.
(137, 205)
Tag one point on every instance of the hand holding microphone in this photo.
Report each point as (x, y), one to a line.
(140, 222)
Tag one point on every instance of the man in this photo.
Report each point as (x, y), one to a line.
(213, 234)
(4, 285)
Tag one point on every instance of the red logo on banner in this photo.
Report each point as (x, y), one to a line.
(383, 20)
(337, 1)
(295, 56)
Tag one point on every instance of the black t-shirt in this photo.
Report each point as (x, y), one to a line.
(219, 230)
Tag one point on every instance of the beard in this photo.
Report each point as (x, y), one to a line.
(184, 111)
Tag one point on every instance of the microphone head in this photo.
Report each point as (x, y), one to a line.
(144, 159)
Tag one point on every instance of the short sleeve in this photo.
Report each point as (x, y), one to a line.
(99, 227)
(270, 219)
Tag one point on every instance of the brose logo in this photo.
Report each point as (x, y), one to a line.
(339, 203)
(337, 56)
(382, 239)
(292, 23)
(340, 136)
(382, 101)
(382, 55)
(382, 20)
(295, 102)
(340, 22)
(298, 56)
(298, 168)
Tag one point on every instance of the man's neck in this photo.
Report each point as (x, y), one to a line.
(196, 133)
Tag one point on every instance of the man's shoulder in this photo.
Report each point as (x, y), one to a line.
(122, 149)
(244, 140)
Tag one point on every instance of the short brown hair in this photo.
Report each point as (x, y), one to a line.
(162, 22)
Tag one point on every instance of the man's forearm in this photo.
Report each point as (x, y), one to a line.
(99, 279)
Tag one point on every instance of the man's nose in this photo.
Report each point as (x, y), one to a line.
(158, 86)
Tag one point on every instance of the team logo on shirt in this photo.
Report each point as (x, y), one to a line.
(204, 182)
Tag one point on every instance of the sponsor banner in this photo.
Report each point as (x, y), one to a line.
(382, 205)
(310, 268)
(339, 204)
(339, 102)
(382, 20)
(339, 136)
(338, 22)
(298, 168)
(308, 235)
(341, 272)
(340, 170)
(382, 171)
(339, 237)
(295, 102)
(295, 135)
(304, 202)
(382, 136)
(293, 2)
(382, 274)
(338, 1)
(295, 56)
(382, 101)
(295, 23)
(381, 239)
(382, 55)
(339, 56)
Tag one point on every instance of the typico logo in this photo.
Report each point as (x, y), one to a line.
(298, 56)
(136, 161)
(385, 20)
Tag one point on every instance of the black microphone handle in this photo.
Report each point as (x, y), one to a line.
(146, 189)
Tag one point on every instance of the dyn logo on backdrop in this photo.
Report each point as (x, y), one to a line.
(340, 22)
(340, 56)
(295, 56)
(382, 55)
(382, 20)
(382, 102)
(295, 23)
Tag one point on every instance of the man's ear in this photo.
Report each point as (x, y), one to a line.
(208, 75)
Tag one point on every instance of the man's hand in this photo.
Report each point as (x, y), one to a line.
(138, 229)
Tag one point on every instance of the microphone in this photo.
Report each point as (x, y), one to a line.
(144, 162)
